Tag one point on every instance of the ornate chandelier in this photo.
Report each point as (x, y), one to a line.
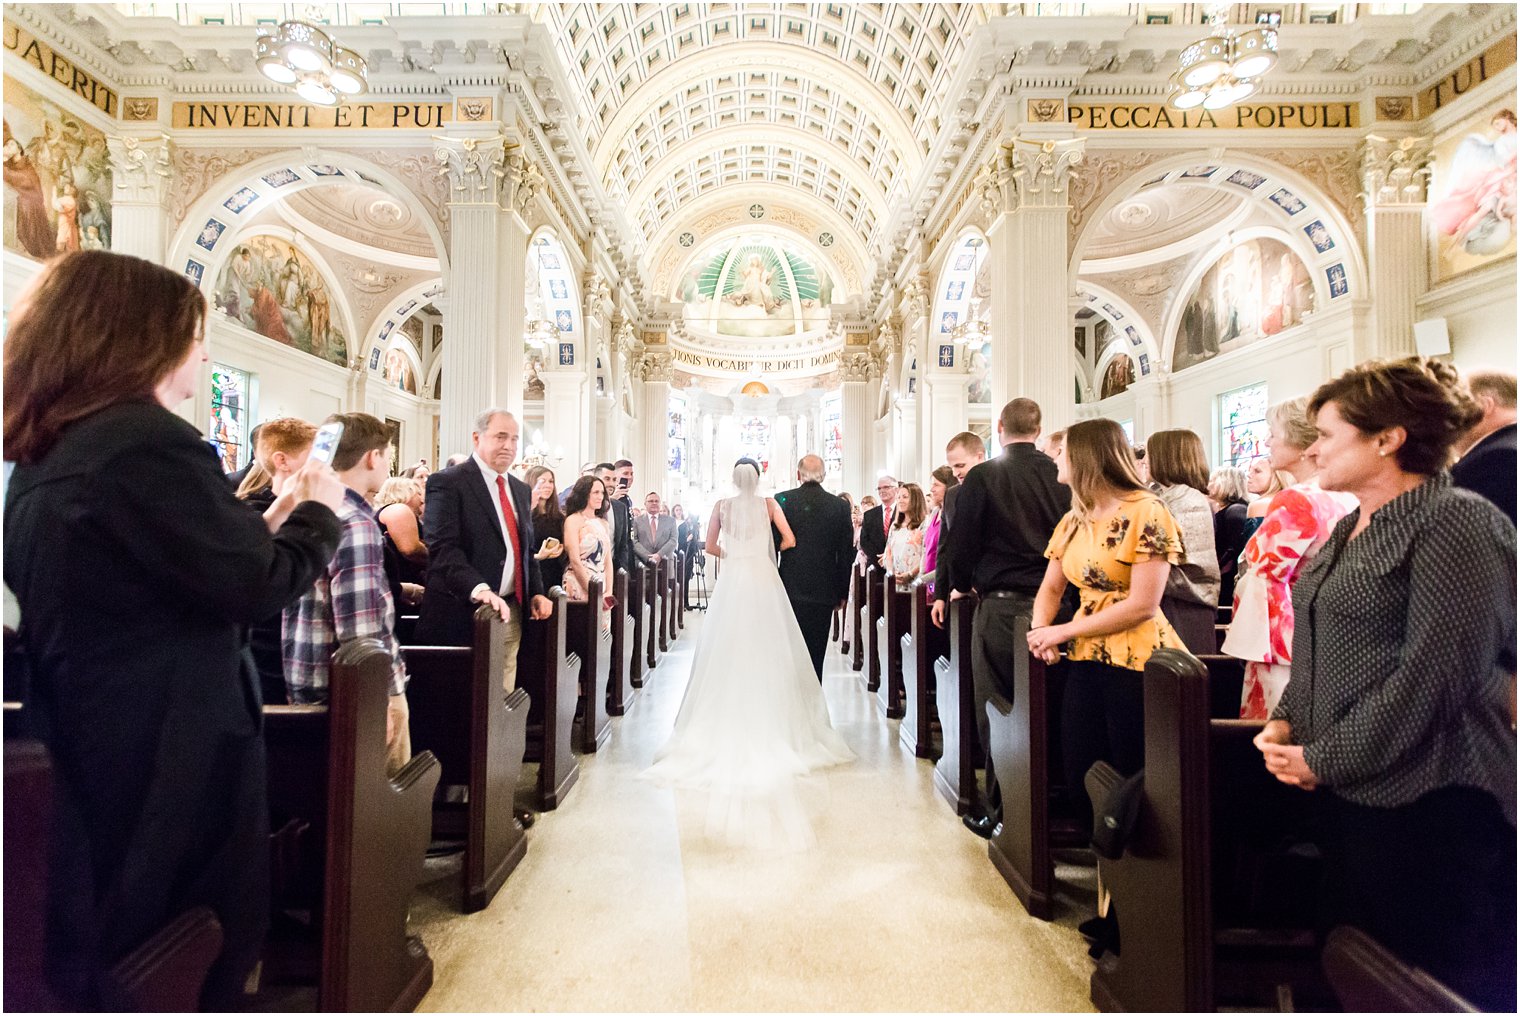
(1225, 67)
(299, 53)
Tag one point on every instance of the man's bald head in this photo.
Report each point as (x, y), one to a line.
(810, 469)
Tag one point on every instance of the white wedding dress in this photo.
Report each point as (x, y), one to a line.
(753, 719)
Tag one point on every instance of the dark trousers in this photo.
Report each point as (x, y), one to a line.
(1193, 623)
(1102, 720)
(1434, 881)
(992, 652)
(814, 620)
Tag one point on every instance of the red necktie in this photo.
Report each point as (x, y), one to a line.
(886, 522)
(511, 521)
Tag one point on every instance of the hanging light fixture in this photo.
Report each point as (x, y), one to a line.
(300, 53)
(1224, 67)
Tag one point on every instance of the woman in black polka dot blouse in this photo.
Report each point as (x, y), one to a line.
(1398, 706)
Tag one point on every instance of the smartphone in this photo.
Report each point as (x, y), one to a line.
(325, 446)
(622, 483)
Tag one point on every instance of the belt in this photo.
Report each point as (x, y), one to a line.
(1005, 594)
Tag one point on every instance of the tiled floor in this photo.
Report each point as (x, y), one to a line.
(623, 903)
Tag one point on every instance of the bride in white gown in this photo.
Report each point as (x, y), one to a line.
(753, 719)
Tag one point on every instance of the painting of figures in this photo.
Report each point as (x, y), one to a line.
(398, 371)
(1117, 376)
(57, 178)
(272, 288)
(1472, 193)
(1256, 290)
(755, 287)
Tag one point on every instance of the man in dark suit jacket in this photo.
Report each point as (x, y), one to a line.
(964, 451)
(1006, 512)
(877, 523)
(622, 520)
(480, 540)
(655, 536)
(816, 572)
(1488, 466)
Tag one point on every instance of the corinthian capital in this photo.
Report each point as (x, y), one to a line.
(1041, 170)
(654, 365)
(140, 169)
(856, 366)
(475, 168)
(1395, 170)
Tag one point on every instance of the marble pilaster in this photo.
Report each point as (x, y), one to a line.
(1394, 176)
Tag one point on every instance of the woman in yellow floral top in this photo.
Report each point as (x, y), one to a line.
(1117, 545)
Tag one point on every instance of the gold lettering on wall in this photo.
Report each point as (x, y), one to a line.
(1265, 116)
(41, 56)
(286, 115)
(1470, 75)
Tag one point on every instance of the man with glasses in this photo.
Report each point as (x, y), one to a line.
(877, 522)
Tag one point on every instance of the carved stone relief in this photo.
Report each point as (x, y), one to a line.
(196, 168)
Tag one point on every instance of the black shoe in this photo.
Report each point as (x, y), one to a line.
(982, 825)
(525, 818)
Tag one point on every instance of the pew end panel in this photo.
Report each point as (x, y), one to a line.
(875, 627)
(921, 647)
(961, 751)
(858, 608)
(620, 687)
(556, 679)
(654, 610)
(1366, 977)
(890, 630)
(637, 608)
(590, 640)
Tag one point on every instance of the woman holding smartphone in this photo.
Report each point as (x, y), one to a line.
(132, 616)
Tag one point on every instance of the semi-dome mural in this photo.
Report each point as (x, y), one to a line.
(756, 287)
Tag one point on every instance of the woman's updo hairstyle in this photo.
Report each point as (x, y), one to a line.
(1424, 396)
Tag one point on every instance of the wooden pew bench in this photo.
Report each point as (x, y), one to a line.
(960, 745)
(478, 732)
(922, 645)
(349, 842)
(589, 639)
(625, 658)
(654, 601)
(1216, 893)
(637, 608)
(856, 621)
(551, 677)
(875, 605)
(1366, 977)
(893, 624)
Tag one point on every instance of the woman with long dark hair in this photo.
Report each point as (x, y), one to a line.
(132, 615)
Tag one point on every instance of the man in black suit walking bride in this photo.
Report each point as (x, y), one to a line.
(816, 572)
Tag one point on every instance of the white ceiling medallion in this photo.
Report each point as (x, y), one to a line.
(757, 211)
(825, 239)
(686, 240)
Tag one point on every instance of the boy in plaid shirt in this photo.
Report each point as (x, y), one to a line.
(352, 598)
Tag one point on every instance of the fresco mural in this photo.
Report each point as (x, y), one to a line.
(1256, 290)
(756, 287)
(979, 387)
(57, 178)
(272, 288)
(1472, 192)
(1117, 376)
(398, 371)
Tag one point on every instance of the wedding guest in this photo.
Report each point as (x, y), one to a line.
(942, 481)
(1227, 495)
(400, 508)
(619, 515)
(1142, 468)
(236, 478)
(1398, 710)
(548, 524)
(904, 555)
(963, 452)
(1293, 531)
(1005, 511)
(1487, 465)
(876, 524)
(1055, 443)
(1180, 474)
(138, 673)
(1117, 545)
(588, 542)
(1263, 483)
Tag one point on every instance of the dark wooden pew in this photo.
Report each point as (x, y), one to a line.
(677, 599)
(856, 610)
(587, 638)
(1215, 899)
(479, 734)
(1025, 753)
(960, 745)
(164, 974)
(921, 647)
(1366, 977)
(365, 837)
(625, 657)
(653, 602)
(637, 608)
(663, 580)
(891, 627)
(551, 677)
(874, 607)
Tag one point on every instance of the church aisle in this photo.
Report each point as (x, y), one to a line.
(622, 903)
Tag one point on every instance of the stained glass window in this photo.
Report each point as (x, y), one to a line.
(1242, 425)
(229, 416)
(755, 440)
(675, 430)
(833, 439)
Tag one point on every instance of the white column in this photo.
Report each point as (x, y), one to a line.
(564, 392)
(653, 421)
(855, 423)
(1394, 173)
(472, 375)
(141, 174)
(945, 406)
(905, 417)
(596, 320)
(1030, 322)
(1152, 394)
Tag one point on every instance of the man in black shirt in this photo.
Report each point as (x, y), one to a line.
(964, 452)
(1005, 514)
(1487, 466)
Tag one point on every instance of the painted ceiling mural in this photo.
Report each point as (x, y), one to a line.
(1472, 199)
(756, 287)
(274, 289)
(57, 178)
(1254, 291)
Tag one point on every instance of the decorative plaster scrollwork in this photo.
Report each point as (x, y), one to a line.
(524, 181)
(856, 366)
(654, 366)
(1395, 170)
(475, 168)
(141, 168)
(1099, 172)
(886, 338)
(625, 339)
(1041, 170)
(915, 298)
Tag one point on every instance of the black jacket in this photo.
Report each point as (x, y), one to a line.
(622, 535)
(817, 570)
(943, 580)
(136, 570)
(1005, 514)
(466, 548)
(1488, 468)
(873, 537)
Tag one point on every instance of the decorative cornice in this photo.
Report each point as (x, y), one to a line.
(1395, 170)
